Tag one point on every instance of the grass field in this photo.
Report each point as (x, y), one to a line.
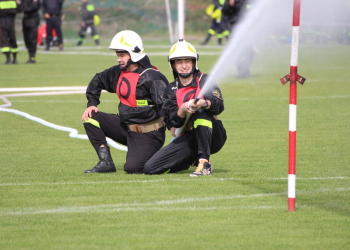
(47, 202)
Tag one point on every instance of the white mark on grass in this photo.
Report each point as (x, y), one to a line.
(58, 101)
(135, 206)
(316, 178)
(162, 205)
(43, 89)
(77, 183)
(137, 209)
(161, 180)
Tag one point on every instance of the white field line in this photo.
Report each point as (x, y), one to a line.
(113, 54)
(191, 202)
(78, 183)
(147, 47)
(161, 180)
(57, 101)
(42, 89)
(317, 178)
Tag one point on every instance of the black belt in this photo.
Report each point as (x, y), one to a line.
(30, 15)
(55, 15)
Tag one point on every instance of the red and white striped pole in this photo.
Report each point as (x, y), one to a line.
(293, 77)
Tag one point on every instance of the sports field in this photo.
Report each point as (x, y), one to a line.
(47, 202)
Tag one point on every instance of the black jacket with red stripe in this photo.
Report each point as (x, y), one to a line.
(170, 106)
(150, 87)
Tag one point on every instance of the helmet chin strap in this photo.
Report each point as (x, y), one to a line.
(127, 65)
(186, 75)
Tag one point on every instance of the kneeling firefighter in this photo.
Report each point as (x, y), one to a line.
(138, 125)
(204, 133)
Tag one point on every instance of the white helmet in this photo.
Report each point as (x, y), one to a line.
(181, 50)
(129, 41)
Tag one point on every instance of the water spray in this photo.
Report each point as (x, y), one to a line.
(293, 78)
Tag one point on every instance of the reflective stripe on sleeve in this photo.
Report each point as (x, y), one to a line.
(90, 7)
(8, 5)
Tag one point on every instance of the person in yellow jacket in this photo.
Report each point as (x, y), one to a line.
(219, 25)
(8, 42)
(89, 21)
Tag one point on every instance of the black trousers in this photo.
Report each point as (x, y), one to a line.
(30, 33)
(53, 23)
(83, 29)
(178, 155)
(8, 36)
(141, 146)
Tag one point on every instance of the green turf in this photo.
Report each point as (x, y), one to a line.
(47, 202)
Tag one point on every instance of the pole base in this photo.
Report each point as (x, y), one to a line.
(291, 204)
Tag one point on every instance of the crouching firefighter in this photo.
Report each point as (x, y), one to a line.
(139, 125)
(204, 133)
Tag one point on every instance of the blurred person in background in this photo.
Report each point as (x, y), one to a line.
(8, 42)
(204, 133)
(88, 14)
(30, 24)
(235, 10)
(52, 10)
(139, 125)
(219, 24)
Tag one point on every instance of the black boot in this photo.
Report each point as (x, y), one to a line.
(105, 165)
(220, 41)
(14, 61)
(206, 40)
(8, 58)
(31, 58)
(81, 39)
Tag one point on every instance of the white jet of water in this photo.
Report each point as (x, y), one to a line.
(264, 19)
(269, 19)
(272, 18)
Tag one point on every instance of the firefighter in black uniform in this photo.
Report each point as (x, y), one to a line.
(204, 133)
(8, 43)
(30, 24)
(219, 25)
(233, 10)
(139, 125)
(52, 10)
(88, 13)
